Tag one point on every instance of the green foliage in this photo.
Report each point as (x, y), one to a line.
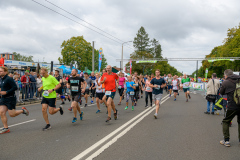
(19, 57)
(77, 49)
(230, 48)
(146, 48)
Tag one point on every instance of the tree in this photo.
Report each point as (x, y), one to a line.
(19, 57)
(141, 42)
(156, 49)
(77, 49)
(230, 48)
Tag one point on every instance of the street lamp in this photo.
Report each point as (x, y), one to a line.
(122, 56)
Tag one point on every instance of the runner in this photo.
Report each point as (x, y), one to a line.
(142, 81)
(99, 92)
(138, 87)
(165, 79)
(169, 83)
(93, 88)
(148, 92)
(186, 82)
(88, 88)
(157, 84)
(8, 100)
(175, 85)
(121, 86)
(74, 83)
(60, 90)
(50, 84)
(103, 86)
(130, 92)
(180, 85)
(109, 80)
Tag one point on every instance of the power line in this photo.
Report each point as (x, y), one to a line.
(74, 21)
(78, 22)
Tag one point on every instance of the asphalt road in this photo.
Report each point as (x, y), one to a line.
(182, 131)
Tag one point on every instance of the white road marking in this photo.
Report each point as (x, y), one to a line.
(21, 123)
(98, 152)
(88, 105)
(94, 146)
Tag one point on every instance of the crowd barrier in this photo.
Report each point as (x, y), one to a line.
(199, 88)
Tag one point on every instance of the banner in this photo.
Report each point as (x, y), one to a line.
(100, 60)
(206, 73)
(130, 67)
(213, 60)
(146, 61)
(195, 79)
(198, 86)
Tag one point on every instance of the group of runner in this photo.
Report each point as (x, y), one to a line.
(104, 87)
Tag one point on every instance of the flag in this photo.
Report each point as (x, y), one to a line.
(100, 59)
(130, 67)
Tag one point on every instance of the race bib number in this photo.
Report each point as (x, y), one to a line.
(74, 88)
(131, 93)
(148, 88)
(119, 87)
(108, 93)
(45, 93)
(158, 87)
(186, 84)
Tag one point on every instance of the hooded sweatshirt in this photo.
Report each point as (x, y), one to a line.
(228, 88)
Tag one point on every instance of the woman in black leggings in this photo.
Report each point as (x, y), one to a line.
(138, 87)
(148, 92)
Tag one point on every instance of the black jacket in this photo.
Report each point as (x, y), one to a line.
(8, 85)
(228, 88)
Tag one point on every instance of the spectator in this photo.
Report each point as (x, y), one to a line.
(25, 85)
(39, 84)
(15, 75)
(228, 88)
(17, 92)
(212, 90)
(2, 61)
(32, 84)
(28, 69)
(10, 75)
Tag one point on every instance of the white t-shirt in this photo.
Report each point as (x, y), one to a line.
(97, 87)
(175, 84)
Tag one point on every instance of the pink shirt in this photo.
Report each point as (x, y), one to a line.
(148, 89)
(121, 81)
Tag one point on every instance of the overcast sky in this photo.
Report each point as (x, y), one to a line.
(184, 28)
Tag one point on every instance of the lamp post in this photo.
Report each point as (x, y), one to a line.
(122, 55)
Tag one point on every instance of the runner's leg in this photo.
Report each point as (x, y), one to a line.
(44, 112)
(3, 111)
(75, 108)
(53, 110)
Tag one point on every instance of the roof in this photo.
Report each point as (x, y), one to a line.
(6, 53)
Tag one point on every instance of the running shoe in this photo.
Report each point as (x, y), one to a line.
(132, 108)
(74, 120)
(155, 115)
(119, 103)
(175, 99)
(189, 96)
(70, 108)
(61, 110)
(116, 115)
(212, 113)
(47, 127)
(170, 95)
(4, 130)
(25, 111)
(98, 111)
(81, 116)
(63, 103)
(108, 119)
(126, 108)
(85, 105)
(207, 112)
(225, 143)
(91, 102)
(135, 104)
(146, 106)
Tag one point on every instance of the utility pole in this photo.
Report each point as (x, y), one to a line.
(93, 57)
(121, 68)
(197, 73)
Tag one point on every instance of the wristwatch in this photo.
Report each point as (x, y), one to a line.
(53, 89)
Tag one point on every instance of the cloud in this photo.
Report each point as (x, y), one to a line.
(185, 28)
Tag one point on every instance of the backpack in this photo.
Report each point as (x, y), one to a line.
(236, 96)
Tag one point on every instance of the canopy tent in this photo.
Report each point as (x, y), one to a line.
(88, 71)
(65, 69)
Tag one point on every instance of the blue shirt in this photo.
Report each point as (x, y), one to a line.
(129, 89)
(93, 80)
(159, 82)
